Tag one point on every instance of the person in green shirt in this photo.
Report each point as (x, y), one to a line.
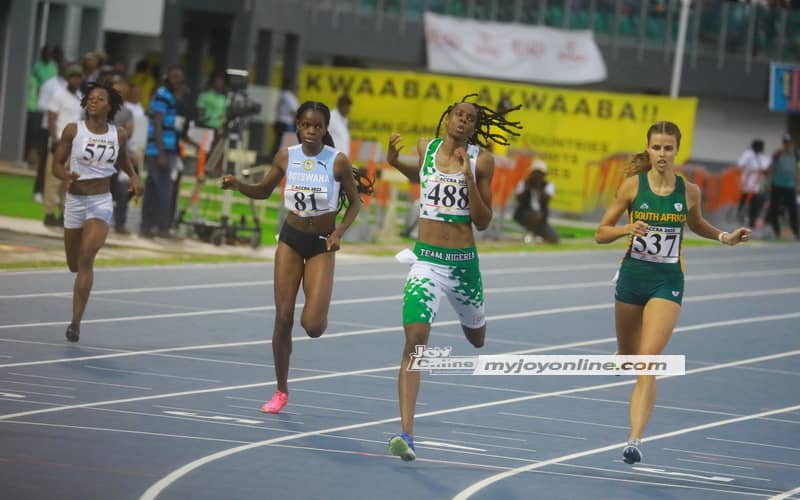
(45, 67)
(211, 103)
(649, 288)
(783, 190)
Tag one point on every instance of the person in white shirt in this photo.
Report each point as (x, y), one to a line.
(339, 124)
(284, 114)
(754, 165)
(63, 107)
(533, 204)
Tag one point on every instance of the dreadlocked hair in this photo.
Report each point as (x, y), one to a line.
(486, 122)
(640, 162)
(114, 99)
(363, 183)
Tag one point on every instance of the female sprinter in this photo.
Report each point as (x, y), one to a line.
(455, 176)
(318, 177)
(93, 147)
(650, 283)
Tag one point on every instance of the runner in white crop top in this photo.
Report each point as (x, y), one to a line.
(92, 147)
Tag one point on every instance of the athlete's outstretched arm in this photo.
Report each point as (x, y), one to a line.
(702, 227)
(608, 231)
(393, 157)
(263, 189)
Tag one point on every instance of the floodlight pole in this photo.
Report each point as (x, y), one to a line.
(677, 63)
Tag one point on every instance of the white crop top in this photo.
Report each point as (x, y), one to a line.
(93, 155)
(311, 186)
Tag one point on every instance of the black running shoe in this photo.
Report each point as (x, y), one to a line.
(73, 332)
(631, 453)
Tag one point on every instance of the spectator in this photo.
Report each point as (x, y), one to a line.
(533, 209)
(339, 127)
(211, 103)
(90, 67)
(754, 165)
(120, 182)
(63, 107)
(161, 156)
(285, 113)
(144, 80)
(783, 189)
(45, 67)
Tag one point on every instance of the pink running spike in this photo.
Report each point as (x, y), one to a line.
(276, 404)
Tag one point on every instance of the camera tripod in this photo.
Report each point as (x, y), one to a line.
(235, 158)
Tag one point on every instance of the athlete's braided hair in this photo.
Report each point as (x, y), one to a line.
(485, 123)
(363, 183)
(114, 99)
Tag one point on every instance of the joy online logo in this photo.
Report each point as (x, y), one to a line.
(438, 358)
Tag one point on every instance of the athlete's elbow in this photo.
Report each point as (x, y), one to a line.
(482, 224)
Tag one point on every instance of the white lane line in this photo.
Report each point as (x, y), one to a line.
(442, 444)
(154, 490)
(192, 392)
(25, 391)
(541, 312)
(490, 436)
(480, 485)
(693, 469)
(717, 464)
(400, 276)
(787, 494)
(40, 385)
(81, 381)
(474, 443)
(754, 444)
(125, 431)
(331, 409)
(209, 412)
(283, 412)
(740, 459)
(682, 408)
(506, 429)
(582, 422)
(356, 396)
(150, 374)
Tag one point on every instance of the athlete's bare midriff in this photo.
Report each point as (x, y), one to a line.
(445, 234)
(321, 224)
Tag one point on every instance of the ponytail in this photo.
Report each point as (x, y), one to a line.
(640, 162)
(364, 185)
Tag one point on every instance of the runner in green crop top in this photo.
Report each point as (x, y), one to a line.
(455, 176)
(650, 284)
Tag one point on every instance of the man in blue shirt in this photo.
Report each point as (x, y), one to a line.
(783, 193)
(161, 155)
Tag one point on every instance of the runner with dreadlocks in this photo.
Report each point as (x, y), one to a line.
(455, 176)
(318, 181)
(92, 147)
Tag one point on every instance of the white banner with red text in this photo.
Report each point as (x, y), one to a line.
(506, 51)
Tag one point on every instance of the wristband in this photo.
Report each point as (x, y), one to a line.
(721, 235)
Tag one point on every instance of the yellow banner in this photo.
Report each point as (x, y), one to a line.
(581, 134)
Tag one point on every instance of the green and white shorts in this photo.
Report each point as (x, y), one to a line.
(437, 271)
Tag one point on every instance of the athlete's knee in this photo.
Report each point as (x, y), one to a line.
(85, 261)
(72, 265)
(314, 328)
(415, 338)
(284, 320)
